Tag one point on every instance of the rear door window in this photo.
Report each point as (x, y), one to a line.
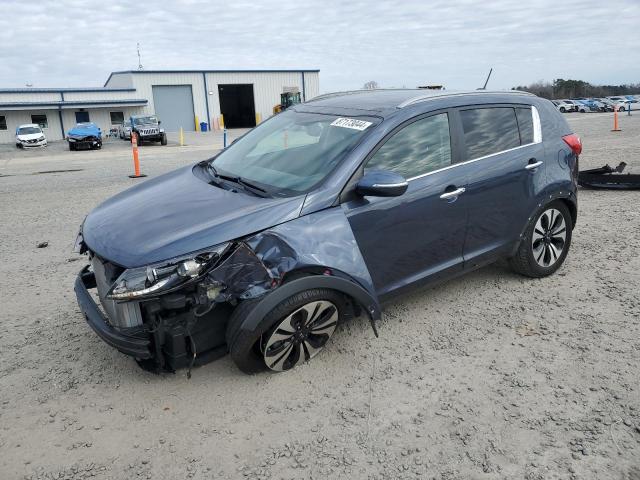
(489, 130)
(421, 147)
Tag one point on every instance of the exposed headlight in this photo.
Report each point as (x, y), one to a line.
(72, 139)
(141, 282)
(41, 138)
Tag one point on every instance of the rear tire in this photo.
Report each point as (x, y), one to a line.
(563, 110)
(546, 242)
(285, 337)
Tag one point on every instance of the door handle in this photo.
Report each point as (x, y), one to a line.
(454, 193)
(531, 166)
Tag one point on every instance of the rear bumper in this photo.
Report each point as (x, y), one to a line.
(136, 347)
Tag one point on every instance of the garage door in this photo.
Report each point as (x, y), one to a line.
(174, 107)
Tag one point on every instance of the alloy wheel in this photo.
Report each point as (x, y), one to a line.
(300, 335)
(549, 237)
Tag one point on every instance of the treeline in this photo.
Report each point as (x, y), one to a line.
(561, 88)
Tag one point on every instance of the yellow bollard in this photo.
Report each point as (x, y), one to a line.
(221, 121)
(181, 137)
(258, 118)
(197, 124)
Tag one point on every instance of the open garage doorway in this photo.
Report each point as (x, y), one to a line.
(237, 105)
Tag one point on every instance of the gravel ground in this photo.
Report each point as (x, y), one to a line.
(490, 376)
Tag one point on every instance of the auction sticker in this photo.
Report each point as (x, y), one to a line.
(350, 123)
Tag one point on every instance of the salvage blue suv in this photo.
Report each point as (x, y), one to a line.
(323, 213)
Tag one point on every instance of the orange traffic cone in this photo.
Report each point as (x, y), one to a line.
(615, 120)
(136, 160)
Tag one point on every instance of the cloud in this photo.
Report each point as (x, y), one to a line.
(396, 43)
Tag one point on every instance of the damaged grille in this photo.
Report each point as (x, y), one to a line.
(121, 315)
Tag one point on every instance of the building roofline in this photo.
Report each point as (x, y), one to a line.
(74, 103)
(65, 90)
(291, 70)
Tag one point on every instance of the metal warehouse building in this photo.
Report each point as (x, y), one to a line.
(180, 98)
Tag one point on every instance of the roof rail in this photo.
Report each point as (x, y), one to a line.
(335, 94)
(424, 98)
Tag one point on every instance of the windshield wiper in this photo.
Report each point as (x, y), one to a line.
(247, 186)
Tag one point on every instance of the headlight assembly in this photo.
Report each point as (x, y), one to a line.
(152, 280)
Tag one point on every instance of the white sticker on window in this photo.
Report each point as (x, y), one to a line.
(350, 123)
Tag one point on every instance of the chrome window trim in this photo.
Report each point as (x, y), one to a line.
(471, 161)
(537, 138)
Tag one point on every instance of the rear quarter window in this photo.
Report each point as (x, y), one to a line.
(525, 124)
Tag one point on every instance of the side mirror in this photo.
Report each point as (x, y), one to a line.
(381, 183)
(159, 122)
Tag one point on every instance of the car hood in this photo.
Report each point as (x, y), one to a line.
(176, 214)
(30, 136)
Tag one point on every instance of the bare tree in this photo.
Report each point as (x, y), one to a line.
(371, 85)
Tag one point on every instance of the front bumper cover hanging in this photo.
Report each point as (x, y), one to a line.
(609, 178)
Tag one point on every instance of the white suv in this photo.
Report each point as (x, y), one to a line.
(30, 135)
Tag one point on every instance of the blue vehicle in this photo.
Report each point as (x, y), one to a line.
(84, 136)
(323, 213)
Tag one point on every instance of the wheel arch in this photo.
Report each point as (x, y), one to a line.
(272, 299)
(569, 200)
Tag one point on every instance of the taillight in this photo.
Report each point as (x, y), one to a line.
(574, 143)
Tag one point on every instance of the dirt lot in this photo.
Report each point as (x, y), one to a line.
(490, 376)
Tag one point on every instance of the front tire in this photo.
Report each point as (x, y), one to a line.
(563, 110)
(163, 140)
(546, 242)
(293, 332)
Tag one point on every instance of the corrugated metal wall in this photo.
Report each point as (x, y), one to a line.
(103, 95)
(143, 83)
(267, 87)
(21, 117)
(120, 80)
(29, 97)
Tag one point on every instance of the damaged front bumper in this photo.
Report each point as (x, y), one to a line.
(179, 325)
(137, 347)
(609, 178)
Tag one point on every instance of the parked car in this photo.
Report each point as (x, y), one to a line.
(30, 135)
(125, 130)
(84, 136)
(578, 106)
(565, 106)
(608, 104)
(621, 103)
(146, 128)
(324, 212)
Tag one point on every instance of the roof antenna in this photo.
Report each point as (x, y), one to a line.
(487, 80)
(140, 67)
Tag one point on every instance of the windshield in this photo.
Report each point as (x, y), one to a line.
(28, 130)
(293, 151)
(145, 120)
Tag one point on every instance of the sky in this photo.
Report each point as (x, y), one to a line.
(70, 43)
